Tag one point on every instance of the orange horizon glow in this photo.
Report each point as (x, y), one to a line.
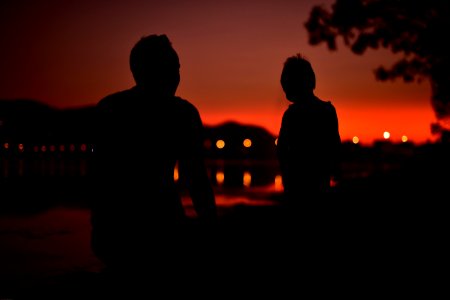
(367, 124)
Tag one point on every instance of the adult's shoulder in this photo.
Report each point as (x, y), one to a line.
(186, 105)
(114, 99)
(292, 111)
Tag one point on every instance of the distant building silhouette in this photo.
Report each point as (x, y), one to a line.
(33, 124)
(232, 140)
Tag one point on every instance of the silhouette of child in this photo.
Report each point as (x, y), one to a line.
(309, 141)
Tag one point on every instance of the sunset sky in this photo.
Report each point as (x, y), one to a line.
(73, 53)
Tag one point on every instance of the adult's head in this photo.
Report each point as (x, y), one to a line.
(155, 65)
(297, 78)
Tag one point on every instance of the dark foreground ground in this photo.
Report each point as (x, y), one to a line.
(384, 234)
(371, 240)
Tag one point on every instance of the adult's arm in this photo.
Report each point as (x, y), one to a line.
(192, 166)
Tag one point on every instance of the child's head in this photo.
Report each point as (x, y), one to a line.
(297, 78)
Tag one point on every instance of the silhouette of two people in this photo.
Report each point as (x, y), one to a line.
(143, 134)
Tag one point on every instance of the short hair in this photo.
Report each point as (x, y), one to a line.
(298, 67)
(152, 55)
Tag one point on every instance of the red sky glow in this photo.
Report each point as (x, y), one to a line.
(69, 54)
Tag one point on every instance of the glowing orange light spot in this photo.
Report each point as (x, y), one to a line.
(355, 140)
(220, 144)
(386, 135)
(278, 183)
(247, 143)
(276, 141)
(220, 177)
(21, 147)
(6, 145)
(247, 179)
(404, 138)
(176, 175)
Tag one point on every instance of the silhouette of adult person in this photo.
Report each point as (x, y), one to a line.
(309, 141)
(143, 134)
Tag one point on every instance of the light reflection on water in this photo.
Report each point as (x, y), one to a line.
(50, 243)
(243, 173)
(55, 237)
(227, 198)
(56, 240)
(236, 182)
